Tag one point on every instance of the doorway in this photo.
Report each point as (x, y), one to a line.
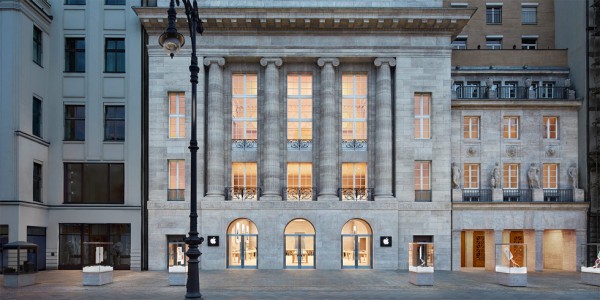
(299, 245)
(357, 245)
(37, 235)
(242, 245)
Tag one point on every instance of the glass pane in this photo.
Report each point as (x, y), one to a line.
(235, 257)
(95, 184)
(364, 251)
(291, 251)
(250, 253)
(348, 251)
(292, 108)
(308, 251)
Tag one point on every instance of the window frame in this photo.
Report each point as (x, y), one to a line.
(550, 134)
(353, 168)
(490, 43)
(422, 182)
(177, 119)
(524, 13)
(245, 96)
(529, 43)
(180, 179)
(37, 117)
(38, 45)
(508, 177)
(549, 174)
(72, 53)
(471, 129)
(115, 54)
(73, 122)
(246, 176)
(421, 117)
(75, 2)
(300, 97)
(471, 171)
(114, 121)
(109, 178)
(38, 174)
(294, 169)
(116, 2)
(493, 14)
(507, 133)
(457, 43)
(355, 120)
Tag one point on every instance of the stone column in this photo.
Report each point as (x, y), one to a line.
(328, 138)
(456, 250)
(539, 250)
(383, 129)
(216, 159)
(271, 165)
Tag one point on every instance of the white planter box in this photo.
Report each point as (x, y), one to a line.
(590, 275)
(420, 275)
(178, 275)
(511, 276)
(97, 275)
(19, 280)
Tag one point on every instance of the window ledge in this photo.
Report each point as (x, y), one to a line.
(33, 138)
(114, 141)
(73, 142)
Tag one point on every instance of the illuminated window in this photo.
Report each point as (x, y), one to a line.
(422, 175)
(511, 176)
(471, 176)
(550, 176)
(422, 116)
(511, 127)
(176, 180)
(244, 106)
(299, 181)
(243, 175)
(551, 128)
(471, 127)
(299, 109)
(176, 115)
(354, 107)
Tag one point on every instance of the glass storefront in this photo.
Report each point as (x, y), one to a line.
(242, 244)
(357, 245)
(299, 245)
(3, 240)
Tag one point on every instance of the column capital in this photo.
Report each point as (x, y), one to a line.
(328, 60)
(218, 60)
(385, 60)
(271, 60)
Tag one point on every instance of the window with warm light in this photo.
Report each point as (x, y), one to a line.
(550, 176)
(471, 127)
(243, 175)
(299, 181)
(176, 115)
(354, 181)
(176, 180)
(511, 176)
(471, 176)
(299, 111)
(354, 107)
(422, 178)
(422, 116)
(551, 128)
(511, 128)
(244, 107)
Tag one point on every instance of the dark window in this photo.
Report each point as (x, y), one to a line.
(114, 123)
(459, 43)
(528, 43)
(75, 249)
(149, 3)
(36, 126)
(422, 239)
(114, 2)
(114, 56)
(74, 2)
(94, 183)
(74, 55)
(74, 123)
(37, 182)
(37, 45)
(494, 15)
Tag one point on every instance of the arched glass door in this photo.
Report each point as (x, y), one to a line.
(299, 245)
(357, 245)
(242, 244)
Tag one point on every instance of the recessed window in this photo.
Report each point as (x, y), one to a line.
(176, 115)
(471, 176)
(493, 43)
(299, 181)
(459, 43)
(511, 128)
(511, 176)
(471, 127)
(114, 55)
(91, 183)
(551, 128)
(422, 116)
(529, 15)
(176, 189)
(74, 122)
(528, 43)
(354, 182)
(37, 182)
(354, 111)
(114, 2)
(299, 111)
(244, 182)
(74, 2)
(550, 176)
(37, 45)
(422, 177)
(36, 118)
(114, 123)
(244, 111)
(74, 55)
(493, 14)
(546, 90)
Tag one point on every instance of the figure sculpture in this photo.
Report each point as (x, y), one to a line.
(533, 175)
(495, 178)
(572, 172)
(455, 176)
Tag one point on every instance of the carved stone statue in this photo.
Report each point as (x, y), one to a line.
(495, 178)
(533, 175)
(455, 176)
(572, 172)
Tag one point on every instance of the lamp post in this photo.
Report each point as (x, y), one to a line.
(172, 41)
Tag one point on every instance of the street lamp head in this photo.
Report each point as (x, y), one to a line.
(171, 41)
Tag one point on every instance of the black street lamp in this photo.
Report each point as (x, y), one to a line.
(171, 41)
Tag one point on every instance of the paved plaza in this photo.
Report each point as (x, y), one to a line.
(306, 284)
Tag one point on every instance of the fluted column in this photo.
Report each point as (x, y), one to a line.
(271, 164)
(383, 129)
(328, 139)
(216, 160)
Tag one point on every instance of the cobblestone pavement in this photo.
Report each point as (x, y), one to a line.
(306, 284)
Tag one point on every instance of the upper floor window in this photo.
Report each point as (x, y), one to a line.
(459, 43)
(471, 176)
(176, 180)
(299, 181)
(422, 178)
(354, 182)
(511, 176)
(493, 43)
(550, 176)
(493, 14)
(244, 107)
(354, 109)
(528, 43)
(94, 183)
(546, 90)
(176, 115)
(114, 55)
(471, 127)
(114, 123)
(36, 117)
(422, 116)
(74, 54)
(529, 14)
(244, 182)
(551, 128)
(299, 111)
(37, 182)
(37, 45)
(511, 127)
(74, 2)
(114, 2)
(74, 122)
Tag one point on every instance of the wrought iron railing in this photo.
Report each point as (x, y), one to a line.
(512, 92)
(175, 195)
(355, 194)
(242, 193)
(543, 92)
(244, 145)
(299, 193)
(558, 195)
(354, 145)
(301, 145)
(422, 195)
(477, 195)
(516, 195)
(471, 92)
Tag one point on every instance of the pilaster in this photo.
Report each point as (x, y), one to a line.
(383, 129)
(215, 157)
(328, 145)
(271, 164)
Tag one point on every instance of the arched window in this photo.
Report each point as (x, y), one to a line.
(357, 245)
(299, 236)
(242, 244)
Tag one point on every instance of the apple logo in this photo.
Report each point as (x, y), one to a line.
(386, 241)
(213, 240)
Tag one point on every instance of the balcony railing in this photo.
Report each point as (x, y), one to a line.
(512, 92)
(299, 193)
(354, 145)
(477, 195)
(300, 145)
(558, 195)
(175, 195)
(552, 92)
(471, 92)
(355, 194)
(244, 145)
(422, 195)
(516, 195)
(242, 193)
